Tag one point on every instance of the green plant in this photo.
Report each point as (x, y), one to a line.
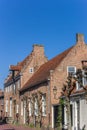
(59, 118)
(31, 125)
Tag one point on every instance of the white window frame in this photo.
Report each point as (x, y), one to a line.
(31, 70)
(30, 108)
(21, 107)
(84, 79)
(6, 107)
(17, 108)
(44, 105)
(18, 84)
(6, 89)
(77, 84)
(10, 107)
(36, 107)
(69, 67)
(14, 86)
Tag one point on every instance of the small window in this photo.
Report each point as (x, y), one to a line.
(31, 70)
(71, 70)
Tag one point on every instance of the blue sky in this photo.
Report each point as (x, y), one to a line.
(53, 23)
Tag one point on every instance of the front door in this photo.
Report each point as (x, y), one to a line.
(55, 116)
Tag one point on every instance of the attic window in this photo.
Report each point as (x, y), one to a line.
(31, 70)
(71, 70)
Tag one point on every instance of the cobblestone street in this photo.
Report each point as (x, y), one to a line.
(10, 127)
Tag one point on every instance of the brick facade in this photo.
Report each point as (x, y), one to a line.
(47, 74)
(17, 78)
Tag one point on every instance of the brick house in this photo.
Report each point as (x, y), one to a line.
(39, 103)
(18, 76)
(1, 103)
(78, 101)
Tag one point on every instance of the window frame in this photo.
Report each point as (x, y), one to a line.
(30, 107)
(36, 109)
(68, 69)
(44, 105)
(31, 70)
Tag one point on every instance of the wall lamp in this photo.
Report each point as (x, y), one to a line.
(55, 92)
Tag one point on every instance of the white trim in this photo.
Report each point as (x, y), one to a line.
(10, 107)
(36, 107)
(70, 66)
(31, 70)
(44, 105)
(21, 108)
(24, 112)
(6, 107)
(30, 108)
(17, 108)
(52, 116)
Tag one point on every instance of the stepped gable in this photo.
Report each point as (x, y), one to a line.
(18, 67)
(43, 72)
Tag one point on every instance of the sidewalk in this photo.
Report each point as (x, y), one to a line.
(14, 127)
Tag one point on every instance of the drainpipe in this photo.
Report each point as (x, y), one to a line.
(49, 95)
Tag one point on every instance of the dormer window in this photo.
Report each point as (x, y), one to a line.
(31, 70)
(71, 70)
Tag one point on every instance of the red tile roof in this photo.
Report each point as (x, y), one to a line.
(42, 74)
(15, 68)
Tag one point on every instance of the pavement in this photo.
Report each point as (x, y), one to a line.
(12, 127)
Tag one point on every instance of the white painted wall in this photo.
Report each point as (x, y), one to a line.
(82, 114)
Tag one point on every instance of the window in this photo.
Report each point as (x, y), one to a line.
(10, 88)
(17, 108)
(10, 107)
(2, 102)
(6, 89)
(79, 83)
(84, 78)
(71, 70)
(18, 84)
(36, 107)
(30, 108)
(14, 88)
(21, 108)
(31, 70)
(44, 105)
(6, 109)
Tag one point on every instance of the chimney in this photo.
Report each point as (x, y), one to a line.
(38, 51)
(79, 38)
